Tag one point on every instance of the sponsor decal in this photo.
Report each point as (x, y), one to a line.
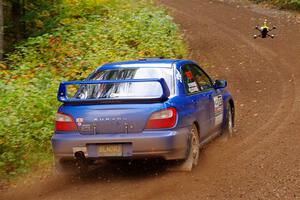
(193, 87)
(85, 128)
(218, 108)
(79, 121)
(178, 76)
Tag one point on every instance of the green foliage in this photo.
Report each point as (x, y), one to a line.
(122, 30)
(42, 16)
(26, 122)
(289, 4)
(85, 35)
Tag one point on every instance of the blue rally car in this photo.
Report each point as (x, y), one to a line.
(148, 108)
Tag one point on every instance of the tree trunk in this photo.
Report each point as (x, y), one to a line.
(16, 18)
(1, 30)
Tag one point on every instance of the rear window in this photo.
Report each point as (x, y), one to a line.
(127, 90)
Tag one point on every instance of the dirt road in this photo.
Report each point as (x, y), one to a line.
(262, 161)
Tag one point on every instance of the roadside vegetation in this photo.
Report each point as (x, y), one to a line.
(75, 38)
(285, 4)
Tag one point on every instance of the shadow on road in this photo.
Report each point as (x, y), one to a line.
(120, 169)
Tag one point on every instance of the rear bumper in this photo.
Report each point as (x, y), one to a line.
(169, 145)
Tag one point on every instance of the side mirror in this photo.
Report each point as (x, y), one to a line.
(219, 84)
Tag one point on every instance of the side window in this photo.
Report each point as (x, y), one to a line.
(190, 84)
(195, 80)
(203, 81)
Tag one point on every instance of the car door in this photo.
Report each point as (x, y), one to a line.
(199, 99)
(215, 98)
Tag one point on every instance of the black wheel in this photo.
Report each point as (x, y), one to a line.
(195, 145)
(193, 151)
(228, 129)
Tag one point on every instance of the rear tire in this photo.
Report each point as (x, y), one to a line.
(193, 151)
(228, 129)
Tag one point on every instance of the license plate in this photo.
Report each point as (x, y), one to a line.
(110, 150)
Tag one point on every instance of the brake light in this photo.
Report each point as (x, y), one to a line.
(162, 119)
(64, 122)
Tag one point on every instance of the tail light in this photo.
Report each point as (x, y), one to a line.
(162, 119)
(64, 122)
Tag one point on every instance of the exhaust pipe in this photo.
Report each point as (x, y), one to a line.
(79, 155)
(81, 161)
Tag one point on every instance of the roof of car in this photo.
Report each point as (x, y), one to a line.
(152, 62)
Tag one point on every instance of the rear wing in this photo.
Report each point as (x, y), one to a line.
(62, 92)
